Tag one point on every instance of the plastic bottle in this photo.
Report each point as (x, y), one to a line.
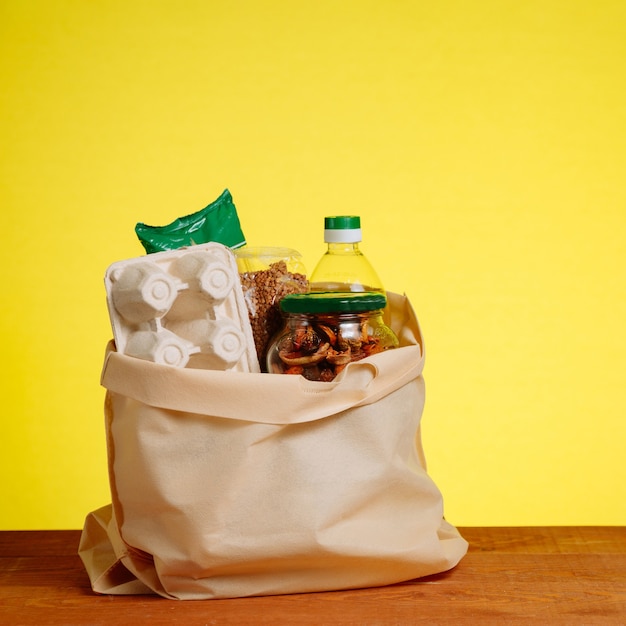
(344, 267)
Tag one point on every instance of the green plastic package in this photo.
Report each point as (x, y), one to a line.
(217, 222)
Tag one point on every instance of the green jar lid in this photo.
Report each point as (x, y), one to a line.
(333, 302)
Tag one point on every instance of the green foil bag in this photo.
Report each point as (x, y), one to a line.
(217, 222)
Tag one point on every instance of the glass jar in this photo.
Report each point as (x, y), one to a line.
(325, 331)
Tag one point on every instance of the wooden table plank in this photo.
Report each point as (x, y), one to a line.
(553, 575)
(547, 539)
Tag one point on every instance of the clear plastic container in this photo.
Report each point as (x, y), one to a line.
(344, 267)
(267, 275)
(325, 331)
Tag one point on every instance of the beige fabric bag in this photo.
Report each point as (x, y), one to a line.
(238, 484)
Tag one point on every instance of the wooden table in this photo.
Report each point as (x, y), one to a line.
(529, 575)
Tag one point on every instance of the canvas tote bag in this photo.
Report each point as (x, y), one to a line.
(237, 484)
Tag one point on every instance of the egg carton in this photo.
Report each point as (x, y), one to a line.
(183, 308)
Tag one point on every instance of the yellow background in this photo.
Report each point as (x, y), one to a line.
(483, 144)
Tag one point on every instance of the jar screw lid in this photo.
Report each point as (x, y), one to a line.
(333, 302)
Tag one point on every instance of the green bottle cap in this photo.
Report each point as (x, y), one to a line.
(342, 229)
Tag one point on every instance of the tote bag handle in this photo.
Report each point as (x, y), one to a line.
(266, 398)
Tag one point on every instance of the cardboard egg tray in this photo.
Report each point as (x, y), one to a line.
(183, 308)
